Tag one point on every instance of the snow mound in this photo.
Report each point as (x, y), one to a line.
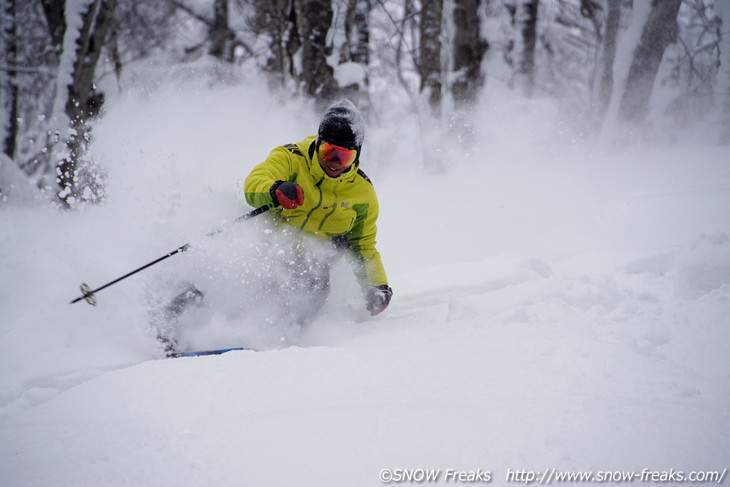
(705, 266)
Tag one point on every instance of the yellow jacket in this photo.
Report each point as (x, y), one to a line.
(345, 207)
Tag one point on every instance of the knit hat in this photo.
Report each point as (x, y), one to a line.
(343, 125)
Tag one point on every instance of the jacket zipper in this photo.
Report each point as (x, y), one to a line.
(319, 203)
(334, 208)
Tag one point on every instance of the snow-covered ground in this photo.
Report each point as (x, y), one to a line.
(557, 305)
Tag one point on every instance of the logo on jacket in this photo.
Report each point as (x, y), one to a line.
(345, 204)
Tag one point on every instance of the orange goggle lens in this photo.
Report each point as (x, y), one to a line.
(334, 153)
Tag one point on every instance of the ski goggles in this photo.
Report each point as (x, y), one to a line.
(330, 153)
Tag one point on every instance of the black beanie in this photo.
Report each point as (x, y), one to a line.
(343, 125)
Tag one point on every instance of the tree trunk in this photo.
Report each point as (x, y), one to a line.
(429, 60)
(292, 42)
(469, 49)
(356, 48)
(527, 20)
(10, 133)
(603, 74)
(276, 19)
(314, 19)
(220, 35)
(357, 33)
(723, 83)
(660, 30)
(55, 11)
(83, 101)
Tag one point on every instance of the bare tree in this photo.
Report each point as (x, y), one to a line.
(723, 11)
(144, 27)
(660, 30)
(695, 62)
(53, 99)
(296, 33)
(275, 20)
(83, 103)
(602, 83)
(55, 11)
(524, 20)
(429, 59)
(27, 70)
(356, 48)
(469, 49)
(221, 36)
(528, 22)
(221, 40)
(314, 19)
(11, 99)
(357, 33)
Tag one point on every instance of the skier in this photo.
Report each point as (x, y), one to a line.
(319, 190)
(324, 199)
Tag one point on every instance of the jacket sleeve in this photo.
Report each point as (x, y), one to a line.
(276, 167)
(369, 267)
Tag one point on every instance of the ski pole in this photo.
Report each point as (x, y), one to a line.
(89, 295)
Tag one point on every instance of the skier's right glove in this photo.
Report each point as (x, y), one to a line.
(287, 194)
(378, 298)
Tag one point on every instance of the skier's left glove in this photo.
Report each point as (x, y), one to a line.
(378, 298)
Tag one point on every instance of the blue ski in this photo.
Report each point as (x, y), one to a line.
(204, 352)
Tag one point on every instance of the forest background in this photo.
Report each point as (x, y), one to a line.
(620, 71)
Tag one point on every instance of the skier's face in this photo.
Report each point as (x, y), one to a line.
(335, 159)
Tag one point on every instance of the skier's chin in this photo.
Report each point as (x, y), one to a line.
(333, 172)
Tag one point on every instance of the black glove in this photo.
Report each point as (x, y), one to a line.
(287, 194)
(378, 298)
